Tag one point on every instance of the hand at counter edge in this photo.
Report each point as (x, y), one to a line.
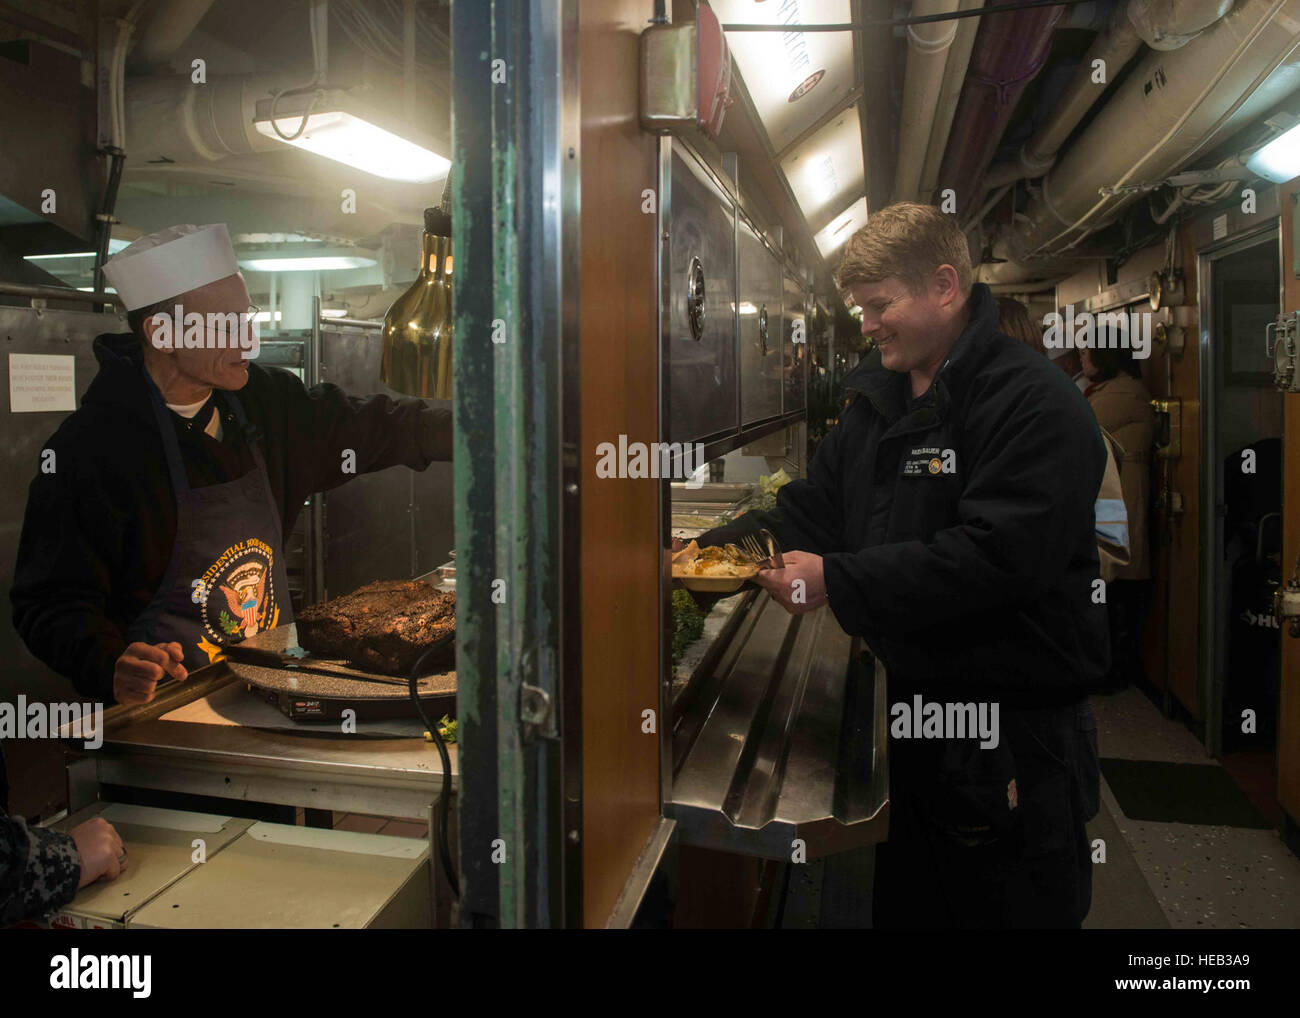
(140, 668)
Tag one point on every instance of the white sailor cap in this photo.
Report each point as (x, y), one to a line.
(171, 262)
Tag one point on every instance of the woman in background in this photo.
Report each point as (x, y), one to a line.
(1013, 319)
(1122, 404)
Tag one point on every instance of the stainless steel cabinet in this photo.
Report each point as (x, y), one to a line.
(794, 346)
(701, 338)
(760, 328)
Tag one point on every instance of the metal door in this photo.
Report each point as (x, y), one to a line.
(700, 221)
(1239, 290)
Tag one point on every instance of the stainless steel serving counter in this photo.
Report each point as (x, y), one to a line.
(778, 735)
(211, 736)
(376, 770)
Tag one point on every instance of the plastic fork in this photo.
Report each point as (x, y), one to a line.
(751, 545)
(773, 549)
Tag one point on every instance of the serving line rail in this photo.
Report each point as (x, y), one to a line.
(780, 734)
(316, 767)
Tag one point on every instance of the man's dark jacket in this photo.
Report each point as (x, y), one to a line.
(977, 582)
(99, 529)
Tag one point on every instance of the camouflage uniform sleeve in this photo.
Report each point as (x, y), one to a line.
(39, 870)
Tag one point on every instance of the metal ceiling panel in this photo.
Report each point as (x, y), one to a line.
(826, 171)
(832, 237)
(794, 77)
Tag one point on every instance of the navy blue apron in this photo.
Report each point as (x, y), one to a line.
(226, 579)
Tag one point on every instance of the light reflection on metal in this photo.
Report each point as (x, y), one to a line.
(417, 331)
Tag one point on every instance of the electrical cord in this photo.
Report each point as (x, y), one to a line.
(1210, 194)
(318, 23)
(442, 811)
(379, 34)
(275, 101)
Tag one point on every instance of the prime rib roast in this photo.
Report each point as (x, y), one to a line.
(382, 627)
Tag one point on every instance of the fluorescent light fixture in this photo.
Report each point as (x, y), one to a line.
(332, 312)
(91, 289)
(264, 317)
(826, 170)
(315, 257)
(841, 228)
(114, 246)
(821, 178)
(340, 128)
(746, 308)
(263, 239)
(1279, 160)
(306, 263)
(793, 77)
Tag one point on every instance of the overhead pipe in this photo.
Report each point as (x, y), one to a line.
(1008, 268)
(182, 124)
(927, 56)
(1172, 24)
(1092, 16)
(1009, 52)
(163, 30)
(873, 51)
(1161, 24)
(1187, 100)
(954, 76)
(987, 207)
(1019, 273)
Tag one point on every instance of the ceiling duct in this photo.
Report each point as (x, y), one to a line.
(1173, 107)
(954, 76)
(1008, 270)
(163, 29)
(1161, 24)
(927, 56)
(874, 56)
(168, 121)
(1010, 50)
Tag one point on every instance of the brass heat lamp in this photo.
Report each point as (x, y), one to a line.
(417, 328)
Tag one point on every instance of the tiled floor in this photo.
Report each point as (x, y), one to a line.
(1200, 876)
(1154, 875)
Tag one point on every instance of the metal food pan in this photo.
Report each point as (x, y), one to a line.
(724, 492)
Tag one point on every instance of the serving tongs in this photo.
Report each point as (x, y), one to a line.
(763, 549)
(295, 659)
(301, 664)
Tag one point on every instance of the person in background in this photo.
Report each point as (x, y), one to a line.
(1014, 320)
(42, 870)
(1122, 404)
(1111, 518)
(1068, 360)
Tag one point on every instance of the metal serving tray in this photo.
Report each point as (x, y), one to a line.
(780, 733)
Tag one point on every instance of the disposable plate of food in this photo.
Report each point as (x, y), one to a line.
(717, 570)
